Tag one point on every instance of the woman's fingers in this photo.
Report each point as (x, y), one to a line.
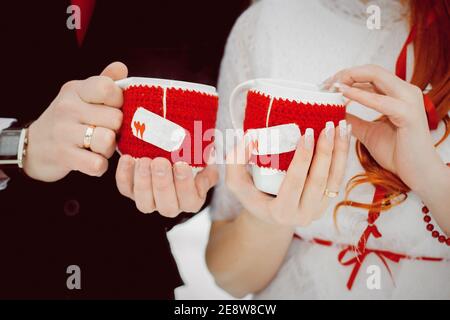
(339, 161)
(240, 182)
(292, 187)
(382, 79)
(125, 176)
(397, 111)
(143, 189)
(367, 87)
(164, 188)
(318, 176)
(360, 127)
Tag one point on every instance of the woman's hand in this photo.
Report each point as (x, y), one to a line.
(301, 198)
(157, 186)
(403, 144)
(56, 139)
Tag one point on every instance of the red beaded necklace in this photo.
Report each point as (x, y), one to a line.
(430, 227)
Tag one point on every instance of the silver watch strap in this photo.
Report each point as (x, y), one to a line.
(12, 146)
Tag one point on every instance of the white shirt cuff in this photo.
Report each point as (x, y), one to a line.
(4, 123)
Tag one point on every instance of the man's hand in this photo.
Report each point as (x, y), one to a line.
(56, 139)
(156, 185)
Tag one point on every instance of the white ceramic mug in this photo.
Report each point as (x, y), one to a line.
(290, 94)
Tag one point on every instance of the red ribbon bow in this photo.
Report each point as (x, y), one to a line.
(361, 252)
(358, 260)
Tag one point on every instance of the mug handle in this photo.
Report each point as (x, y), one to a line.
(239, 90)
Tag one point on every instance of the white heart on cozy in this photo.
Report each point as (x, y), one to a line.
(274, 140)
(156, 130)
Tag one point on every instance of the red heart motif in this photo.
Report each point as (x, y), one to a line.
(140, 128)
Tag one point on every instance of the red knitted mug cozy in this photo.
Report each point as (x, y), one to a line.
(184, 107)
(259, 113)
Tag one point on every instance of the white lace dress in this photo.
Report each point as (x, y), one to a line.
(309, 41)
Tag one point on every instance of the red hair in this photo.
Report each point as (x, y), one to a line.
(432, 66)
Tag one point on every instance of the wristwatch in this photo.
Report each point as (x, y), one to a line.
(13, 143)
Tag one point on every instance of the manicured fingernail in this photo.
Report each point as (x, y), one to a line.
(323, 86)
(143, 169)
(309, 138)
(160, 170)
(342, 128)
(327, 80)
(333, 87)
(329, 131)
(180, 169)
(349, 131)
(341, 87)
(326, 84)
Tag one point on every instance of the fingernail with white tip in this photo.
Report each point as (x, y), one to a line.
(341, 87)
(334, 87)
(329, 131)
(309, 138)
(342, 128)
(349, 131)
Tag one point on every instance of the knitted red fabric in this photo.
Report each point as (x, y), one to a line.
(305, 115)
(182, 107)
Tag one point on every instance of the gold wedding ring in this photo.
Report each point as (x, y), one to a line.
(331, 194)
(88, 137)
